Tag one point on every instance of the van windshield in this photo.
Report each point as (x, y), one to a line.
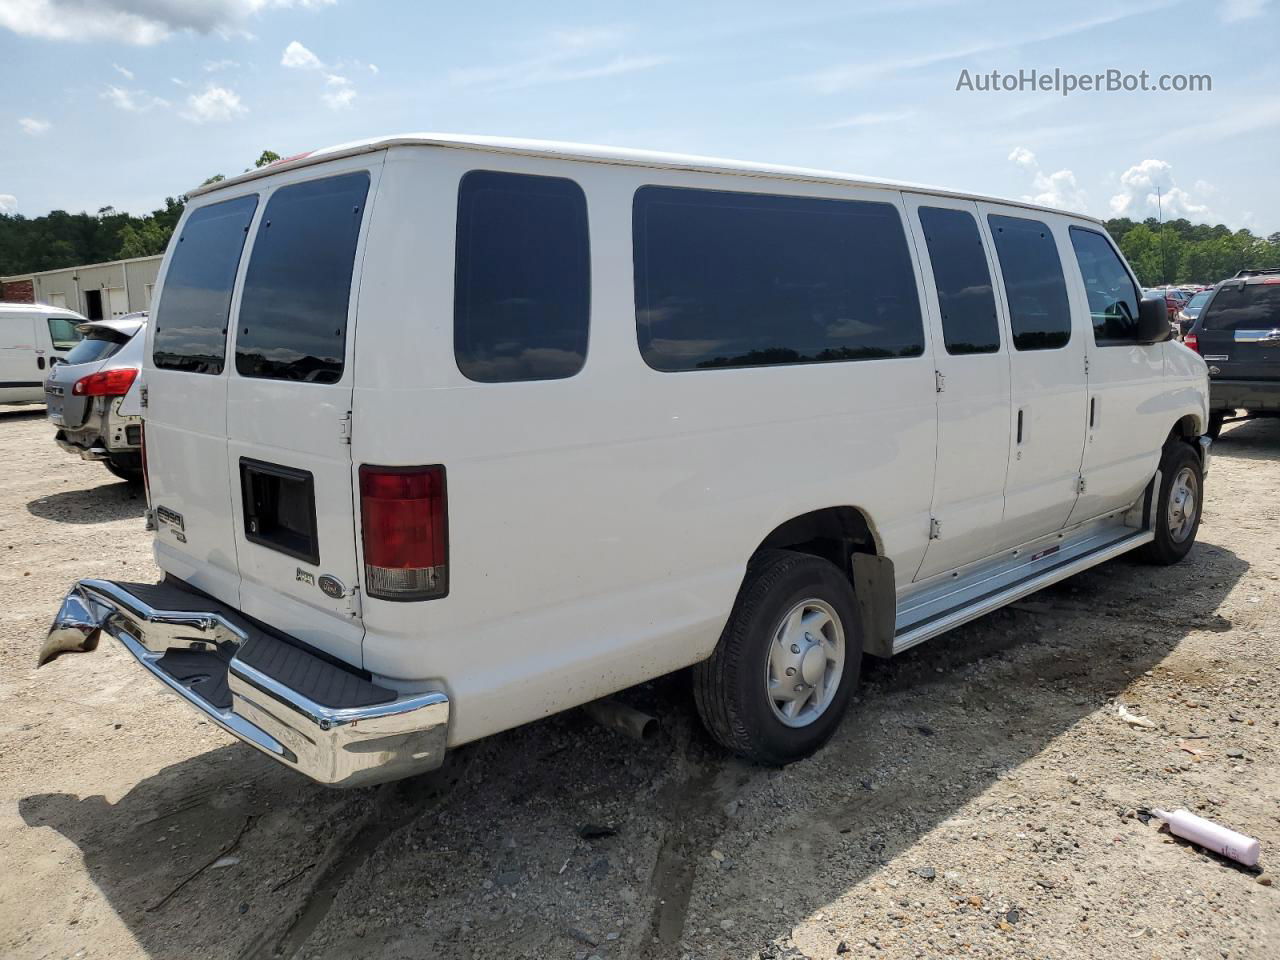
(63, 333)
(1249, 306)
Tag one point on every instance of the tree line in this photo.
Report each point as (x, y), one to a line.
(1175, 252)
(61, 239)
(1180, 251)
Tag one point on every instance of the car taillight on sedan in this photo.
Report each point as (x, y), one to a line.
(404, 514)
(1192, 341)
(108, 383)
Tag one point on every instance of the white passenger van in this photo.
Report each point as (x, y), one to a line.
(33, 337)
(448, 434)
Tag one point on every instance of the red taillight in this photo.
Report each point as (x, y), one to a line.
(108, 383)
(1192, 341)
(405, 515)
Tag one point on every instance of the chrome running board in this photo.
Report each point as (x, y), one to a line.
(945, 602)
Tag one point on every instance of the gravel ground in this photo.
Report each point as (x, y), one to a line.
(983, 798)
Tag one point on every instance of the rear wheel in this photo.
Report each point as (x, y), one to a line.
(1177, 508)
(782, 674)
(129, 472)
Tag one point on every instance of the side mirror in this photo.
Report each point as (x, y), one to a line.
(1153, 321)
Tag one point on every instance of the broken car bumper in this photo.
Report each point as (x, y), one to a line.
(320, 717)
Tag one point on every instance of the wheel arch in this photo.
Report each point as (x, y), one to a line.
(846, 536)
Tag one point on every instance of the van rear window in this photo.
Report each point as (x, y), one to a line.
(191, 317)
(1249, 306)
(752, 280)
(297, 290)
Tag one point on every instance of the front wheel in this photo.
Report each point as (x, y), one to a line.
(1178, 503)
(780, 679)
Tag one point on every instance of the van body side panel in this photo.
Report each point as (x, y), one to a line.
(600, 525)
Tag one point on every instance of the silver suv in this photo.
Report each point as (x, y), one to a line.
(84, 394)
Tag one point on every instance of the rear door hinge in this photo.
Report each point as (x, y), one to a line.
(344, 428)
(939, 381)
(142, 396)
(1080, 484)
(353, 602)
(1086, 366)
(935, 528)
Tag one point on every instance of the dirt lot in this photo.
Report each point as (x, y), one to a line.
(981, 799)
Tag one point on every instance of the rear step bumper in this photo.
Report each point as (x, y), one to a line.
(309, 713)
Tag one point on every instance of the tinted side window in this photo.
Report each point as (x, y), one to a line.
(191, 317)
(522, 286)
(740, 280)
(1113, 298)
(963, 281)
(297, 290)
(1039, 312)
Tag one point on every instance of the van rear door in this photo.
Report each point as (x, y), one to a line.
(289, 405)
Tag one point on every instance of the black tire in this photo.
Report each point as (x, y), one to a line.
(1167, 548)
(130, 474)
(731, 688)
(1214, 430)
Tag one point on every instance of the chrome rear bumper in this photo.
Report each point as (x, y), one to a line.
(258, 688)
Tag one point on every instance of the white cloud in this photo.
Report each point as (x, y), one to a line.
(1148, 189)
(299, 57)
(341, 94)
(132, 101)
(213, 66)
(1233, 11)
(8, 203)
(1058, 189)
(213, 105)
(563, 56)
(373, 68)
(123, 71)
(137, 22)
(33, 127)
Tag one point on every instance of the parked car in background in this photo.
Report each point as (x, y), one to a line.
(433, 452)
(33, 337)
(1238, 334)
(1190, 310)
(1171, 304)
(84, 393)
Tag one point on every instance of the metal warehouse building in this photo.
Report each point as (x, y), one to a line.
(98, 291)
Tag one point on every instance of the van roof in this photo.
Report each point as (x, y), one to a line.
(590, 153)
(43, 309)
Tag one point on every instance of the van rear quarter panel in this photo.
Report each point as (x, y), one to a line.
(600, 525)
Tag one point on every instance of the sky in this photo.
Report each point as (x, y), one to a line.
(124, 102)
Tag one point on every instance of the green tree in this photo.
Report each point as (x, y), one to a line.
(268, 156)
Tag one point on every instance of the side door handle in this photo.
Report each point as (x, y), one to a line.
(1019, 426)
(1093, 412)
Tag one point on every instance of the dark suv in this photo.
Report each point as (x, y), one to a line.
(1238, 334)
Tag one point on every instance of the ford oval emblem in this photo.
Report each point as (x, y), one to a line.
(331, 586)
